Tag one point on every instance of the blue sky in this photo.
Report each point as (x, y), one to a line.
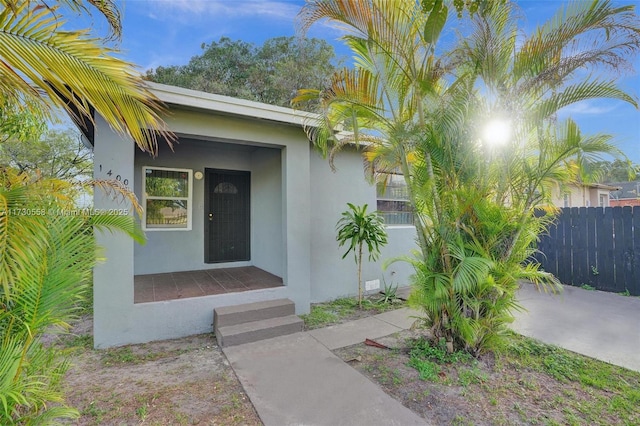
(170, 32)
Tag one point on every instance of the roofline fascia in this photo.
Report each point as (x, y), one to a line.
(604, 186)
(178, 96)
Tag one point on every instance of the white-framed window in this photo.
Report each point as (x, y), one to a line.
(167, 199)
(393, 199)
(603, 200)
(567, 200)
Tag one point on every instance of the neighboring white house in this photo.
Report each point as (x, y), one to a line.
(582, 195)
(242, 166)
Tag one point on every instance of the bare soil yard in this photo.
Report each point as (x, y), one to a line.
(189, 381)
(174, 382)
(530, 384)
(184, 381)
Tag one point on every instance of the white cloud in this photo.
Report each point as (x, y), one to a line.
(326, 30)
(190, 9)
(587, 108)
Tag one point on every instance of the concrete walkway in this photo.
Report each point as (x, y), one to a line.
(597, 324)
(297, 380)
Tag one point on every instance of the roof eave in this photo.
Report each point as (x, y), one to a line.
(604, 186)
(193, 99)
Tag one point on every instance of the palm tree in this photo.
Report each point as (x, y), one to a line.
(531, 80)
(488, 222)
(47, 258)
(46, 69)
(359, 228)
(422, 113)
(382, 100)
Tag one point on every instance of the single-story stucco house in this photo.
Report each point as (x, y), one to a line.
(582, 195)
(242, 210)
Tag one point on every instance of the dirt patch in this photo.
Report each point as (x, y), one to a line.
(189, 381)
(390, 369)
(490, 390)
(184, 381)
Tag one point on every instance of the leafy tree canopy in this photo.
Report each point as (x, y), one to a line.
(618, 171)
(271, 73)
(54, 154)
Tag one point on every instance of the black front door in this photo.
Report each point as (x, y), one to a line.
(227, 218)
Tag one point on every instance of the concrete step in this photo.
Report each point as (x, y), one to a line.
(258, 330)
(249, 312)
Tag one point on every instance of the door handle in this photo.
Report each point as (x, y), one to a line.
(210, 217)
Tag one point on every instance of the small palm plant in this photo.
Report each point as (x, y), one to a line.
(357, 228)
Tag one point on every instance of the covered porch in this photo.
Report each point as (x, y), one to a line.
(222, 254)
(180, 285)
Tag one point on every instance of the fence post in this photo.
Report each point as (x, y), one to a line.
(594, 217)
(579, 244)
(634, 285)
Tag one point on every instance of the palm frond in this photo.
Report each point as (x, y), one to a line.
(117, 191)
(16, 219)
(107, 8)
(572, 94)
(121, 223)
(61, 68)
(581, 34)
(46, 260)
(110, 11)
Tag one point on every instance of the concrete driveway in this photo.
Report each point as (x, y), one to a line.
(600, 325)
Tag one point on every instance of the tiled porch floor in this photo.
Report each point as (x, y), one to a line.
(180, 285)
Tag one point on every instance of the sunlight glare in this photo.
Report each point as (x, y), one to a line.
(497, 132)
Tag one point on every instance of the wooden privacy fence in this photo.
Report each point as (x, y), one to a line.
(596, 246)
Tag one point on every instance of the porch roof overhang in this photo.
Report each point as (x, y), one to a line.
(179, 97)
(174, 96)
(588, 186)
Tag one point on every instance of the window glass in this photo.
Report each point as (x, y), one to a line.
(393, 199)
(167, 213)
(225, 188)
(166, 183)
(167, 199)
(604, 200)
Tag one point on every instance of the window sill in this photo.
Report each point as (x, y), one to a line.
(165, 229)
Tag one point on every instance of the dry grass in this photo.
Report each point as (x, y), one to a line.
(175, 382)
(529, 384)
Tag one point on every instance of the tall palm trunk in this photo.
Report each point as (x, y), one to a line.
(420, 229)
(360, 275)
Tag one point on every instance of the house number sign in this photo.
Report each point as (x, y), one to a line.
(110, 175)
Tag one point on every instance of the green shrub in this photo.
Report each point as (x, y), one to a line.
(46, 261)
